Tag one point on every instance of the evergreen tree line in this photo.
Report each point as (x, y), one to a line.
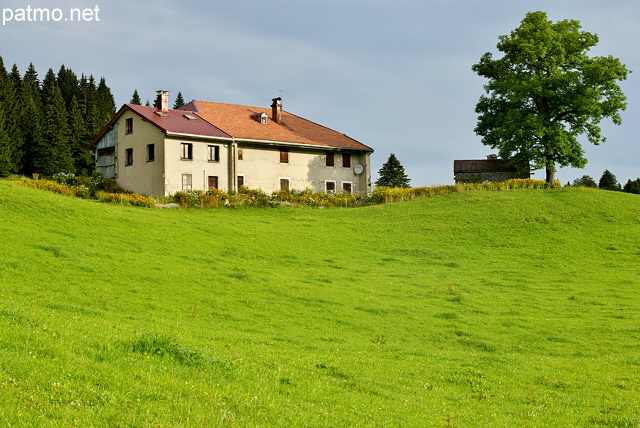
(608, 181)
(46, 126)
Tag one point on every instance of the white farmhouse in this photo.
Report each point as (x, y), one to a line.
(204, 145)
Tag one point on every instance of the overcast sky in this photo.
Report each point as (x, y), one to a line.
(394, 75)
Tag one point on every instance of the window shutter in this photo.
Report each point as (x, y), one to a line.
(330, 159)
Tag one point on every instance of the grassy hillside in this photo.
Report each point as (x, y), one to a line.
(515, 308)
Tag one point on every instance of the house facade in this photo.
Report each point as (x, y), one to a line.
(205, 145)
(481, 170)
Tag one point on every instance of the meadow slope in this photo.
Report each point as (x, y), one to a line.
(515, 308)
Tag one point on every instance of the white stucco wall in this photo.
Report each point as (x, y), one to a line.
(199, 166)
(141, 176)
(263, 170)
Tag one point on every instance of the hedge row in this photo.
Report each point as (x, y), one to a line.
(101, 189)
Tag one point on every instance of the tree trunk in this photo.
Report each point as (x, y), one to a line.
(551, 175)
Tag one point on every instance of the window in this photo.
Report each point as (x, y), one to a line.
(186, 151)
(128, 157)
(284, 155)
(214, 153)
(186, 182)
(330, 186)
(129, 126)
(213, 182)
(330, 159)
(240, 181)
(347, 186)
(284, 184)
(346, 160)
(151, 153)
(240, 154)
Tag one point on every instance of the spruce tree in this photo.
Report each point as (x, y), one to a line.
(69, 85)
(30, 121)
(8, 145)
(55, 153)
(79, 140)
(632, 186)
(6, 149)
(135, 99)
(16, 78)
(392, 174)
(608, 181)
(179, 101)
(105, 103)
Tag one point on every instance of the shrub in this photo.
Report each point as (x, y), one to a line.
(126, 199)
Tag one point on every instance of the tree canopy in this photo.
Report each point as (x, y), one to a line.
(392, 174)
(179, 101)
(46, 126)
(545, 92)
(608, 181)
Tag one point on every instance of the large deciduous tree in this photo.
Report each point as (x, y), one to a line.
(545, 92)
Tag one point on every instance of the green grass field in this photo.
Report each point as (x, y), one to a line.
(516, 308)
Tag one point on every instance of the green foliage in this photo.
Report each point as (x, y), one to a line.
(446, 311)
(632, 186)
(135, 98)
(584, 181)
(49, 124)
(179, 101)
(392, 174)
(53, 154)
(608, 181)
(545, 91)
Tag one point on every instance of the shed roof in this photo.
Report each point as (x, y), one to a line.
(482, 165)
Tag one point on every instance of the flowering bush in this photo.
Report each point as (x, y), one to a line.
(107, 190)
(126, 199)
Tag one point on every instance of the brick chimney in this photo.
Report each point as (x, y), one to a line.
(276, 110)
(162, 101)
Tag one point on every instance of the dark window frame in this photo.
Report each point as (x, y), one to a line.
(213, 179)
(330, 159)
(128, 156)
(330, 183)
(346, 160)
(213, 153)
(151, 152)
(284, 155)
(285, 184)
(189, 151)
(187, 181)
(129, 125)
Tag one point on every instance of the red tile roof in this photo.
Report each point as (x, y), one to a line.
(237, 121)
(177, 122)
(172, 122)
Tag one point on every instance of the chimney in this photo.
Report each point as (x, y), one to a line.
(162, 101)
(276, 110)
